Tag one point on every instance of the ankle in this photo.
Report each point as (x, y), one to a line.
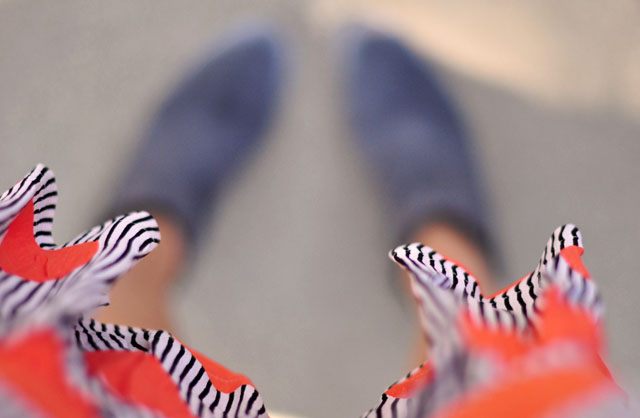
(142, 297)
(453, 243)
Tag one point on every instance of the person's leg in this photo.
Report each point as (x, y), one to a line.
(410, 132)
(141, 298)
(453, 243)
(199, 136)
(407, 127)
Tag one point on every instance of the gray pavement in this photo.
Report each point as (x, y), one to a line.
(292, 285)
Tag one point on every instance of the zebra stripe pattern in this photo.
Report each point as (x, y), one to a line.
(52, 304)
(121, 243)
(40, 186)
(189, 375)
(513, 308)
(442, 289)
(59, 303)
(391, 406)
(577, 289)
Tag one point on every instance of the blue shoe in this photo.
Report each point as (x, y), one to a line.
(410, 132)
(203, 131)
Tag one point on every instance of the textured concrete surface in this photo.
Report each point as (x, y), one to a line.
(292, 286)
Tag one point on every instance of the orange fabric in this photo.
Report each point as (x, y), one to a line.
(139, 378)
(530, 397)
(504, 344)
(33, 368)
(222, 378)
(21, 255)
(534, 396)
(559, 321)
(573, 256)
(415, 382)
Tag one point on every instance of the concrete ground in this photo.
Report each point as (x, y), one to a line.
(292, 286)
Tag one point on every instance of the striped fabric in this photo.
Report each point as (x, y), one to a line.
(400, 404)
(512, 308)
(121, 242)
(531, 350)
(45, 291)
(177, 360)
(446, 292)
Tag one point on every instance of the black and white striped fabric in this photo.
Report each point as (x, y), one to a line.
(390, 406)
(108, 403)
(59, 304)
(30, 306)
(577, 289)
(513, 308)
(444, 289)
(189, 375)
(121, 243)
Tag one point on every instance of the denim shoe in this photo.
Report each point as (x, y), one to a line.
(407, 127)
(203, 131)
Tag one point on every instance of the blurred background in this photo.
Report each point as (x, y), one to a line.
(293, 286)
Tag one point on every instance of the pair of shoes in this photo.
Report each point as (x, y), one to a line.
(401, 117)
